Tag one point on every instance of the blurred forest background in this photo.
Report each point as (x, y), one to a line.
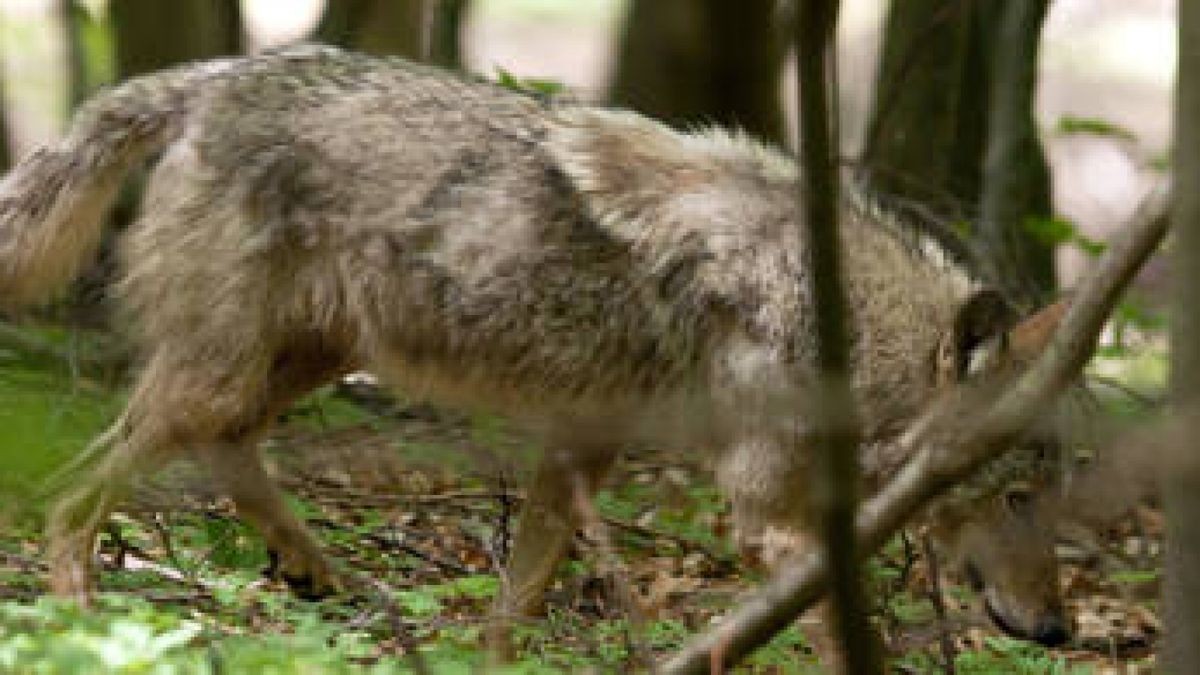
(914, 88)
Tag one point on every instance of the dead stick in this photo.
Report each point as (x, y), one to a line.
(939, 604)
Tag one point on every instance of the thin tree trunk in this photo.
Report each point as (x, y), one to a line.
(1016, 178)
(70, 16)
(152, 34)
(5, 141)
(445, 39)
(922, 145)
(381, 27)
(927, 137)
(691, 62)
(1181, 488)
(836, 488)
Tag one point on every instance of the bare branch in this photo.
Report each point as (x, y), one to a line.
(943, 452)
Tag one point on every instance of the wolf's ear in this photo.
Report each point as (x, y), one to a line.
(1029, 338)
(634, 172)
(977, 343)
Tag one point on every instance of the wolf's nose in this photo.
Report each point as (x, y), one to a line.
(1052, 631)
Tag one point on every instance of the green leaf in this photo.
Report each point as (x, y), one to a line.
(1050, 231)
(419, 603)
(529, 85)
(1073, 125)
(1055, 231)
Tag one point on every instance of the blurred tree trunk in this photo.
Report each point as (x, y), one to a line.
(422, 30)
(1181, 489)
(836, 485)
(5, 142)
(152, 34)
(697, 61)
(381, 27)
(927, 138)
(445, 39)
(1016, 176)
(70, 17)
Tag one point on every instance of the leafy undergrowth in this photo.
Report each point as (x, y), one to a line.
(421, 504)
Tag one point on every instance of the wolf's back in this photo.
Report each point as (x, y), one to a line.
(53, 202)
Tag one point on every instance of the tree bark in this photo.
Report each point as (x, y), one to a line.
(690, 62)
(5, 142)
(927, 137)
(445, 39)
(70, 16)
(1016, 178)
(152, 34)
(923, 142)
(1181, 484)
(944, 451)
(837, 437)
(381, 27)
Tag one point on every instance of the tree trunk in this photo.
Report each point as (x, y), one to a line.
(445, 39)
(152, 34)
(927, 138)
(836, 489)
(381, 27)
(1181, 489)
(690, 62)
(70, 18)
(1016, 178)
(5, 142)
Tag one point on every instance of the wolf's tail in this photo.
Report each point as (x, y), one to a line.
(53, 203)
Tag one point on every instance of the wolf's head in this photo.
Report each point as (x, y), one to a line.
(1000, 525)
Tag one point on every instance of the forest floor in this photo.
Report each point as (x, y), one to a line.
(422, 502)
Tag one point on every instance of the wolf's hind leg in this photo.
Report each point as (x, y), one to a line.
(215, 411)
(77, 514)
(172, 406)
(237, 470)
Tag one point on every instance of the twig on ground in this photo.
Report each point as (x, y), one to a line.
(382, 593)
(158, 520)
(945, 642)
(682, 542)
(26, 563)
(614, 570)
(944, 453)
(395, 542)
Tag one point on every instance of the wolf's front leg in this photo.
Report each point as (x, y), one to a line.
(572, 471)
(766, 481)
(296, 556)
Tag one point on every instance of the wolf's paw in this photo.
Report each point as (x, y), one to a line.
(310, 578)
(70, 566)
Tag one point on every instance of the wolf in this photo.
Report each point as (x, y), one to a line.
(590, 272)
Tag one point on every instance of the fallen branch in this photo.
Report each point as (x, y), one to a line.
(944, 453)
